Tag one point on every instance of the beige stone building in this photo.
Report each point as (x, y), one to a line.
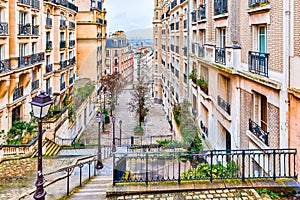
(244, 62)
(37, 52)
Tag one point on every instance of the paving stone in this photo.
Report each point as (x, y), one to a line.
(202, 196)
(210, 196)
(224, 195)
(219, 191)
(188, 197)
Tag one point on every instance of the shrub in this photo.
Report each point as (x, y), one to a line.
(138, 129)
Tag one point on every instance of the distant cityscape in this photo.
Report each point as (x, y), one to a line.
(140, 42)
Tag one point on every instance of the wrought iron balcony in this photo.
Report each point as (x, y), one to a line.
(220, 7)
(49, 91)
(71, 43)
(220, 56)
(49, 45)
(35, 4)
(48, 22)
(18, 93)
(24, 29)
(63, 24)
(258, 63)
(223, 104)
(35, 30)
(201, 51)
(72, 7)
(201, 12)
(62, 44)
(63, 64)
(24, 61)
(49, 68)
(64, 3)
(3, 28)
(72, 61)
(62, 86)
(5, 65)
(37, 58)
(258, 132)
(257, 3)
(71, 25)
(27, 2)
(35, 85)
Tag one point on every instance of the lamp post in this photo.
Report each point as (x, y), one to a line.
(99, 164)
(113, 119)
(120, 122)
(40, 105)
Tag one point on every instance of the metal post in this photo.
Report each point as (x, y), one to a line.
(243, 165)
(114, 137)
(99, 164)
(147, 161)
(179, 180)
(274, 165)
(120, 122)
(211, 163)
(40, 193)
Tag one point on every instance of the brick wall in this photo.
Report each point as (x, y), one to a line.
(273, 126)
(245, 115)
(296, 28)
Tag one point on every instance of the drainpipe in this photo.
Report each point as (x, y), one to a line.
(188, 49)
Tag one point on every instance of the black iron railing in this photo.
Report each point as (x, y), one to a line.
(140, 140)
(259, 132)
(62, 86)
(71, 43)
(201, 12)
(220, 7)
(146, 167)
(35, 30)
(49, 22)
(27, 2)
(257, 3)
(258, 63)
(64, 3)
(37, 58)
(35, 85)
(62, 44)
(49, 91)
(223, 104)
(49, 68)
(3, 28)
(49, 45)
(18, 93)
(63, 64)
(5, 65)
(24, 61)
(71, 25)
(35, 4)
(24, 29)
(201, 51)
(220, 55)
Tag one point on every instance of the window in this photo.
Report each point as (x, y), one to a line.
(22, 50)
(22, 18)
(222, 34)
(262, 41)
(62, 57)
(34, 47)
(224, 88)
(62, 78)
(47, 59)
(260, 110)
(62, 36)
(2, 55)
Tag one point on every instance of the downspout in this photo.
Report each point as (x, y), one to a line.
(188, 49)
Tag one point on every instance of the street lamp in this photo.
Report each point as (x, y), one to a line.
(113, 119)
(120, 122)
(40, 105)
(99, 164)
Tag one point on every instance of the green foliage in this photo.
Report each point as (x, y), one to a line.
(164, 143)
(201, 82)
(176, 113)
(193, 75)
(105, 111)
(81, 93)
(21, 132)
(196, 144)
(71, 112)
(138, 129)
(218, 171)
(53, 111)
(271, 194)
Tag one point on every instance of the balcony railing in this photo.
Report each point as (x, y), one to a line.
(62, 86)
(49, 22)
(223, 104)
(201, 51)
(72, 61)
(49, 91)
(49, 68)
(63, 24)
(35, 4)
(24, 61)
(35, 85)
(201, 12)
(62, 44)
(35, 30)
(37, 58)
(64, 3)
(3, 28)
(5, 65)
(49, 45)
(259, 132)
(18, 93)
(24, 29)
(71, 43)
(71, 25)
(258, 63)
(63, 64)
(257, 3)
(220, 7)
(220, 56)
(27, 2)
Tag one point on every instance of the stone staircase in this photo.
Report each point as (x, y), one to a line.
(94, 189)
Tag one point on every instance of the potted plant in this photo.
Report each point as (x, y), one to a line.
(202, 83)
(193, 75)
(138, 129)
(28, 25)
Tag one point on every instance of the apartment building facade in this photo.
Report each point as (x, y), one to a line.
(37, 52)
(119, 56)
(232, 60)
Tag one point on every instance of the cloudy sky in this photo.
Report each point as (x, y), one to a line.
(128, 14)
